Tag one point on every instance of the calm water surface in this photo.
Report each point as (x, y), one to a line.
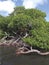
(29, 59)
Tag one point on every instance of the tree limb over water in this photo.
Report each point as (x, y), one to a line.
(21, 50)
(31, 51)
(25, 50)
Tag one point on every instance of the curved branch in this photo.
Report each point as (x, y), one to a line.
(22, 50)
(25, 35)
(33, 50)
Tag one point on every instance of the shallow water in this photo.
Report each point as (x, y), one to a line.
(28, 59)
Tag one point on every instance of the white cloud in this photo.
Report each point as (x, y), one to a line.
(33, 3)
(7, 5)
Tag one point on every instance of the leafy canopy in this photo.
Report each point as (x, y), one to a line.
(30, 21)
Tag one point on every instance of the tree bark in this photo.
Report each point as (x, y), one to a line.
(31, 51)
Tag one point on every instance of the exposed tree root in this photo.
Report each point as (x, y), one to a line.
(21, 48)
(25, 50)
(31, 51)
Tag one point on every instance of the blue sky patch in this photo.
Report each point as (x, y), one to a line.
(7, 6)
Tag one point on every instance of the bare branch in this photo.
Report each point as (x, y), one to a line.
(33, 50)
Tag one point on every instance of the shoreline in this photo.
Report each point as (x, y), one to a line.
(21, 50)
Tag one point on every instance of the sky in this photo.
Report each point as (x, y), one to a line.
(7, 6)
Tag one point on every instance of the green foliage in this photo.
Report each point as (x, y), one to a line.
(18, 10)
(34, 13)
(31, 21)
(2, 34)
(20, 23)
